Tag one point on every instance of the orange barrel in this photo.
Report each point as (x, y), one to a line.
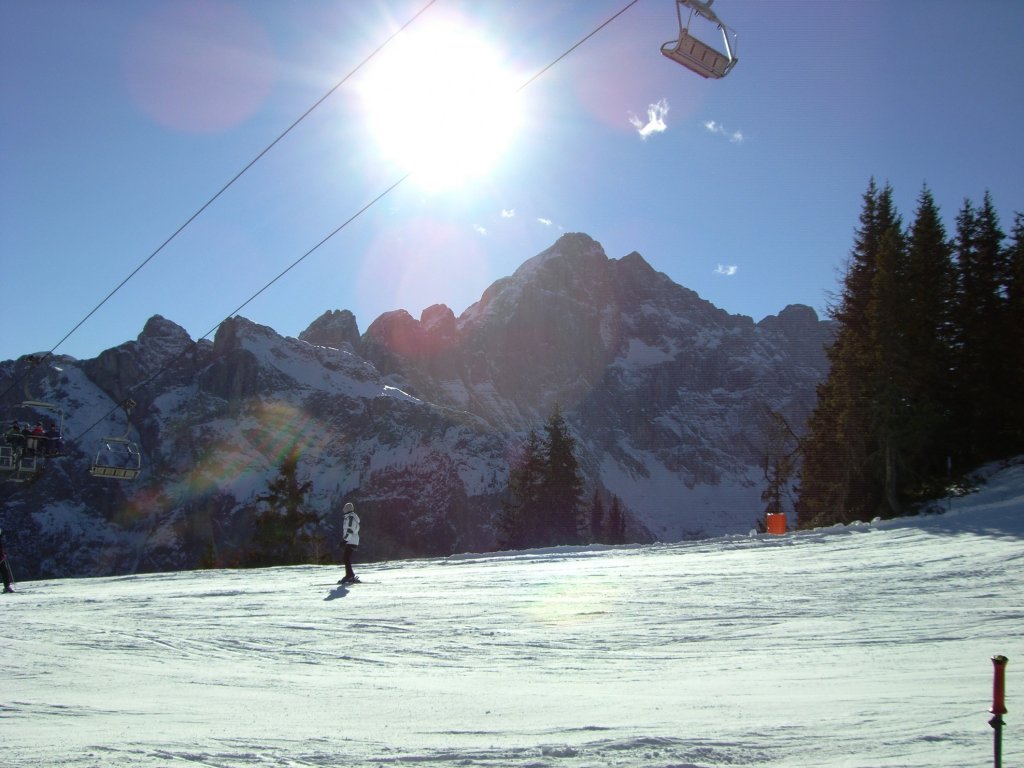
(776, 522)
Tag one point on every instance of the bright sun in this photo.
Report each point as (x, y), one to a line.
(440, 104)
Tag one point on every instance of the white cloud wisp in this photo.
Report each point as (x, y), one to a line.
(735, 137)
(655, 120)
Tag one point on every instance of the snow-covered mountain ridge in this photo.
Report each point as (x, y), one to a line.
(418, 420)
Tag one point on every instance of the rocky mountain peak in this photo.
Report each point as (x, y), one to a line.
(234, 332)
(438, 319)
(160, 329)
(333, 328)
(573, 260)
(790, 319)
(394, 331)
(118, 370)
(806, 335)
(397, 335)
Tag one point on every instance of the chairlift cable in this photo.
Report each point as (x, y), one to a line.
(578, 44)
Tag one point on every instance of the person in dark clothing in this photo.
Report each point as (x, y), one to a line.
(350, 535)
(14, 436)
(54, 441)
(5, 566)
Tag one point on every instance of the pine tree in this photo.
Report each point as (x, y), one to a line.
(981, 358)
(1014, 330)
(889, 379)
(521, 518)
(283, 529)
(999, 343)
(927, 326)
(966, 319)
(563, 485)
(837, 479)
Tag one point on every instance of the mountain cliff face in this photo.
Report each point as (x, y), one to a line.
(416, 421)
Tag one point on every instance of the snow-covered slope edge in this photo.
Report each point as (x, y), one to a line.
(860, 645)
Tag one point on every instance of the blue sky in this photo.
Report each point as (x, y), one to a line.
(119, 119)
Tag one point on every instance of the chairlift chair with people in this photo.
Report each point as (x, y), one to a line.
(22, 448)
(118, 458)
(692, 52)
(51, 441)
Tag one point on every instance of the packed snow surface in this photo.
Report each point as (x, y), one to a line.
(864, 645)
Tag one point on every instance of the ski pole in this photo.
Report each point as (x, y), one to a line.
(998, 708)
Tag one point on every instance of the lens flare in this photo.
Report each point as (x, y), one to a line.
(263, 438)
(199, 67)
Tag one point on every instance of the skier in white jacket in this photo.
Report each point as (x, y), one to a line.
(350, 535)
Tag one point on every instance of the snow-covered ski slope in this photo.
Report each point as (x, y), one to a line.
(867, 645)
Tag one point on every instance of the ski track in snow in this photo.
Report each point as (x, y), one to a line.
(865, 645)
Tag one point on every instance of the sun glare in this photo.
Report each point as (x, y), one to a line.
(440, 104)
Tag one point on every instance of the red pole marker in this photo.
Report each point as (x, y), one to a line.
(999, 685)
(998, 707)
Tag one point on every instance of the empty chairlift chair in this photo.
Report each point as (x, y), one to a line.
(692, 52)
(118, 458)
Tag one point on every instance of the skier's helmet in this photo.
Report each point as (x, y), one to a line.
(349, 507)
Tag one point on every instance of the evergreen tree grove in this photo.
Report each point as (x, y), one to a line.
(926, 363)
(542, 505)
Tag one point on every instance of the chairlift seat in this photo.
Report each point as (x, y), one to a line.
(115, 473)
(698, 56)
